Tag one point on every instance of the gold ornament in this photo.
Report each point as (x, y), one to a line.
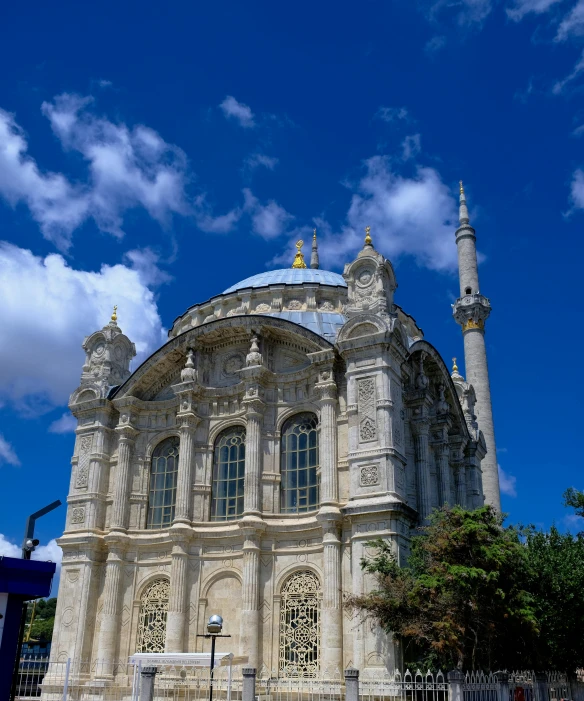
(299, 257)
(368, 241)
(461, 187)
(472, 324)
(115, 314)
(454, 366)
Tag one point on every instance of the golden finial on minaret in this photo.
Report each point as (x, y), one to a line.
(461, 187)
(314, 234)
(115, 314)
(454, 366)
(368, 241)
(299, 257)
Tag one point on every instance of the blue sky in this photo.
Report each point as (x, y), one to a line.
(151, 156)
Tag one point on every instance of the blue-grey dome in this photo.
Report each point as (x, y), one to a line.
(289, 276)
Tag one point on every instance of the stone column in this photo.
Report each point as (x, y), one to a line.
(253, 456)
(249, 681)
(351, 684)
(420, 430)
(442, 451)
(147, 683)
(327, 392)
(186, 452)
(127, 434)
(109, 630)
(461, 485)
(177, 610)
(332, 611)
(250, 609)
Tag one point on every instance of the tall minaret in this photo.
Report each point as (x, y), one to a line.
(471, 310)
(314, 255)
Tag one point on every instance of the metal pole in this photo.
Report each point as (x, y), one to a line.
(30, 521)
(213, 638)
(66, 684)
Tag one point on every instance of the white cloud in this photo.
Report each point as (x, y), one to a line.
(573, 23)
(574, 522)
(238, 111)
(411, 146)
(66, 424)
(260, 159)
(577, 70)
(206, 221)
(520, 8)
(393, 114)
(128, 167)
(7, 453)
(466, 13)
(47, 309)
(8, 549)
(435, 44)
(408, 216)
(270, 220)
(577, 189)
(145, 262)
(507, 483)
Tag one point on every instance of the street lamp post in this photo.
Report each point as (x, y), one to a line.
(214, 628)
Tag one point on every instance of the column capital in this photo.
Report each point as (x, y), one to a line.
(181, 536)
(420, 426)
(254, 406)
(325, 389)
(187, 421)
(126, 432)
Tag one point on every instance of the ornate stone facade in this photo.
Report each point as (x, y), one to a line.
(243, 467)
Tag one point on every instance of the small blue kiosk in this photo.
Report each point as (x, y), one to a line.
(20, 581)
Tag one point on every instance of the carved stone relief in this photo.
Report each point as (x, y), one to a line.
(369, 475)
(78, 514)
(366, 408)
(83, 462)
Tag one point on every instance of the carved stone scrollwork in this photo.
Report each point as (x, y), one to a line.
(254, 357)
(367, 410)
(369, 475)
(78, 514)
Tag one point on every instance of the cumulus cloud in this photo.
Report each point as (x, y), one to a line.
(393, 114)
(466, 13)
(573, 23)
(260, 159)
(232, 109)
(127, 168)
(507, 483)
(48, 308)
(577, 189)
(7, 453)
(411, 146)
(268, 221)
(66, 424)
(573, 522)
(520, 8)
(408, 216)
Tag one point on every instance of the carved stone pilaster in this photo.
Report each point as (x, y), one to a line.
(326, 395)
(421, 429)
(127, 435)
(254, 411)
(177, 604)
(250, 620)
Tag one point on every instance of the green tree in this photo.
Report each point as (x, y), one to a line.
(461, 601)
(556, 582)
(575, 499)
(43, 621)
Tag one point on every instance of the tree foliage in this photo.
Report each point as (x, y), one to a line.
(462, 600)
(44, 619)
(556, 582)
(575, 499)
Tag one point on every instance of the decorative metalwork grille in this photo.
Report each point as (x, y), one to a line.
(300, 626)
(228, 475)
(163, 474)
(299, 490)
(153, 612)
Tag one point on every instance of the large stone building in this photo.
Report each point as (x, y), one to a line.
(241, 469)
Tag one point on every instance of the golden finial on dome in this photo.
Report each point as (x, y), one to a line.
(368, 241)
(454, 366)
(299, 257)
(115, 314)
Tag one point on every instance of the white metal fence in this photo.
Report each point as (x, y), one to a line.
(72, 680)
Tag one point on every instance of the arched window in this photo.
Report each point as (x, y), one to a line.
(299, 489)
(300, 626)
(228, 475)
(162, 493)
(153, 612)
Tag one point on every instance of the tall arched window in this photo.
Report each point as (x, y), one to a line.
(162, 492)
(299, 489)
(300, 626)
(228, 475)
(152, 621)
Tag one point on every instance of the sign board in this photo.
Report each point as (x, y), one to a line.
(180, 659)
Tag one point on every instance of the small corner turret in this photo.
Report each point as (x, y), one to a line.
(370, 281)
(108, 353)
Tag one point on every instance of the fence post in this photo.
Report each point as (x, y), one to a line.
(502, 685)
(455, 682)
(249, 680)
(351, 684)
(66, 683)
(541, 686)
(147, 683)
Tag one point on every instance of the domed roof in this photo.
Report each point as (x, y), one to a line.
(289, 276)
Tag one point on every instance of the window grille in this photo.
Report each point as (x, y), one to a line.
(300, 626)
(299, 490)
(153, 612)
(228, 475)
(163, 475)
